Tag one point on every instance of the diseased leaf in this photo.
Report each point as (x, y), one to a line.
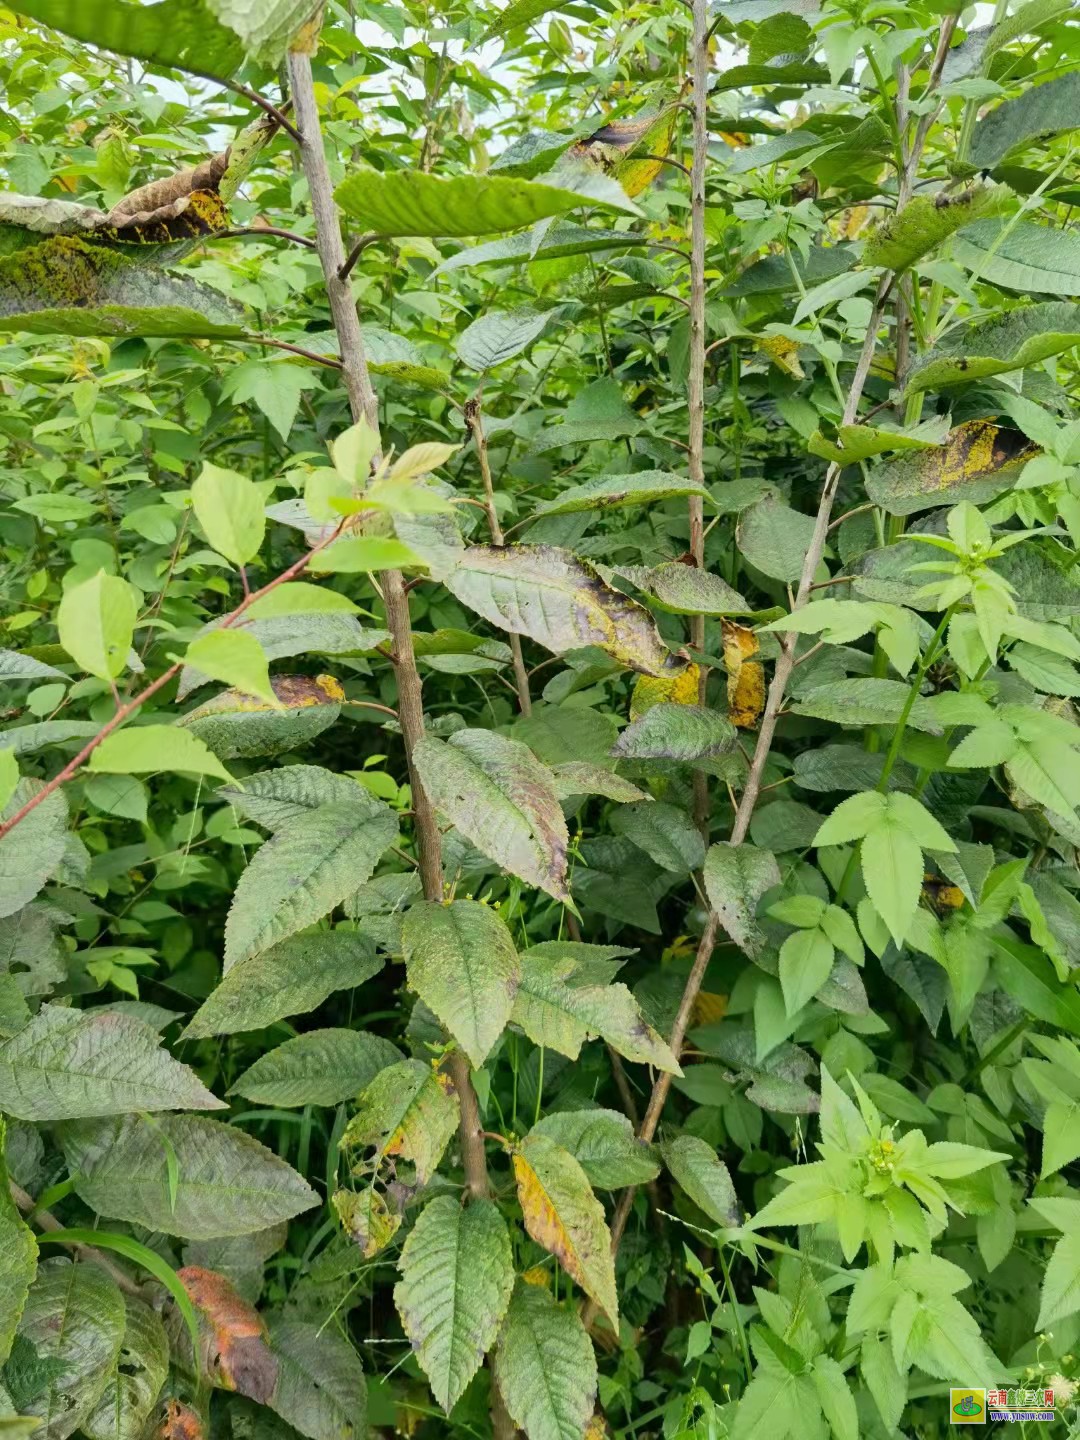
(604, 1145)
(924, 222)
(235, 1354)
(18, 1257)
(461, 960)
(976, 463)
(545, 1366)
(1010, 341)
(1042, 111)
(642, 487)
(676, 732)
(457, 1273)
(321, 1387)
(550, 595)
(409, 1110)
(736, 877)
(226, 1182)
(366, 1219)
(685, 590)
(499, 796)
(562, 1214)
(704, 1177)
(136, 1377)
(321, 1067)
(234, 725)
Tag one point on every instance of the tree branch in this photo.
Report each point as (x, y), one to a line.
(46, 1220)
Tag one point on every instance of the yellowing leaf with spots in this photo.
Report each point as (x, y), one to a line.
(366, 1219)
(708, 1008)
(745, 675)
(632, 150)
(782, 352)
(650, 690)
(562, 1214)
(977, 462)
(409, 1111)
(236, 725)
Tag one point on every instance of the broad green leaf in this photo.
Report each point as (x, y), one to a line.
(642, 487)
(835, 1398)
(892, 869)
(408, 202)
(862, 442)
(410, 1110)
(1009, 341)
(736, 877)
(135, 1377)
(234, 725)
(977, 461)
(321, 1387)
(772, 274)
(14, 666)
(909, 234)
(31, 853)
(562, 1214)
(273, 798)
(1061, 1137)
(559, 1007)
(865, 701)
(665, 832)
(1026, 974)
(1039, 112)
(229, 507)
(604, 1145)
(149, 749)
(235, 657)
(28, 739)
(775, 538)
(460, 959)
(1061, 1282)
(704, 1177)
(517, 15)
(499, 796)
(688, 591)
(545, 1366)
(300, 875)
(226, 1183)
(321, 1067)
(290, 979)
(562, 239)
(806, 962)
(1029, 258)
(365, 554)
(499, 335)
(457, 1273)
(676, 732)
(67, 1064)
(74, 1317)
(96, 621)
(550, 595)
(18, 1257)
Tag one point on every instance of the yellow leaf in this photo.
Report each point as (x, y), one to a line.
(783, 353)
(708, 1008)
(650, 690)
(746, 677)
(538, 1275)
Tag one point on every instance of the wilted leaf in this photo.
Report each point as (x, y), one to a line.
(976, 463)
(457, 1272)
(562, 1214)
(632, 150)
(545, 1366)
(366, 1219)
(409, 1110)
(501, 798)
(676, 732)
(557, 600)
(235, 1353)
(650, 690)
(745, 675)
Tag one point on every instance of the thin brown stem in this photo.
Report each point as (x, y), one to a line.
(355, 253)
(263, 232)
(696, 378)
(46, 1220)
(265, 106)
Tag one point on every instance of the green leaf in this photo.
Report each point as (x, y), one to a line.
(409, 1110)
(31, 853)
(461, 961)
(67, 1064)
(272, 798)
(602, 492)
(148, 749)
(1028, 977)
(1026, 257)
(408, 202)
(135, 1377)
(604, 1145)
(545, 1366)
(517, 16)
(1040, 112)
(1010, 341)
(365, 554)
(806, 962)
(1061, 1282)
(290, 979)
(233, 725)
(300, 875)
(237, 658)
(172, 33)
(14, 666)
(558, 1008)
(924, 222)
(18, 1257)
(676, 732)
(226, 1183)
(775, 538)
(457, 1274)
(229, 507)
(736, 877)
(74, 1316)
(559, 601)
(96, 621)
(704, 1177)
(977, 461)
(665, 832)
(499, 335)
(865, 702)
(562, 1215)
(321, 1067)
(892, 869)
(499, 796)
(685, 590)
(862, 442)
(321, 1388)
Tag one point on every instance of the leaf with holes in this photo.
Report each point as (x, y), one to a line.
(410, 1110)
(135, 1377)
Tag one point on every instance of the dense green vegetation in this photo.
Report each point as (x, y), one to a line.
(538, 755)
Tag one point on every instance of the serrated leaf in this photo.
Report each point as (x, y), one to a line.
(775, 538)
(925, 222)
(301, 874)
(289, 979)
(550, 595)
(31, 853)
(321, 1067)
(457, 1274)
(604, 1145)
(408, 202)
(461, 960)
(1042, 110)
(704, 1177)
(272, 798)
(736, 877)
(67, 1064)
(499, 335)
(96, 621)
(135, 1377)
(321, 1386)
(545, 1366)
(234, 725)
(1009, 341)
(409, 1110)
(226, 1182)
(866, 701)
(676, 732)
(664, 832)
(1024, 256)
(602, 492)
(562, 1214)
(18, 1257)
(977, 461)
(499, 796)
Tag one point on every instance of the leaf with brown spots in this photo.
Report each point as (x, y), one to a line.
(745, 675)
(179, 1422)
(235, 1353)
(562, 1214)
(235, 725)
(409, 1111)
(632, 150)
(366, 1219)
(649, 690)
(977, 462)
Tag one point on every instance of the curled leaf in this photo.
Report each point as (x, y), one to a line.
(235, 1353)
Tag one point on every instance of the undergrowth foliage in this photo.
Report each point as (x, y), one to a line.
(539, 776)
